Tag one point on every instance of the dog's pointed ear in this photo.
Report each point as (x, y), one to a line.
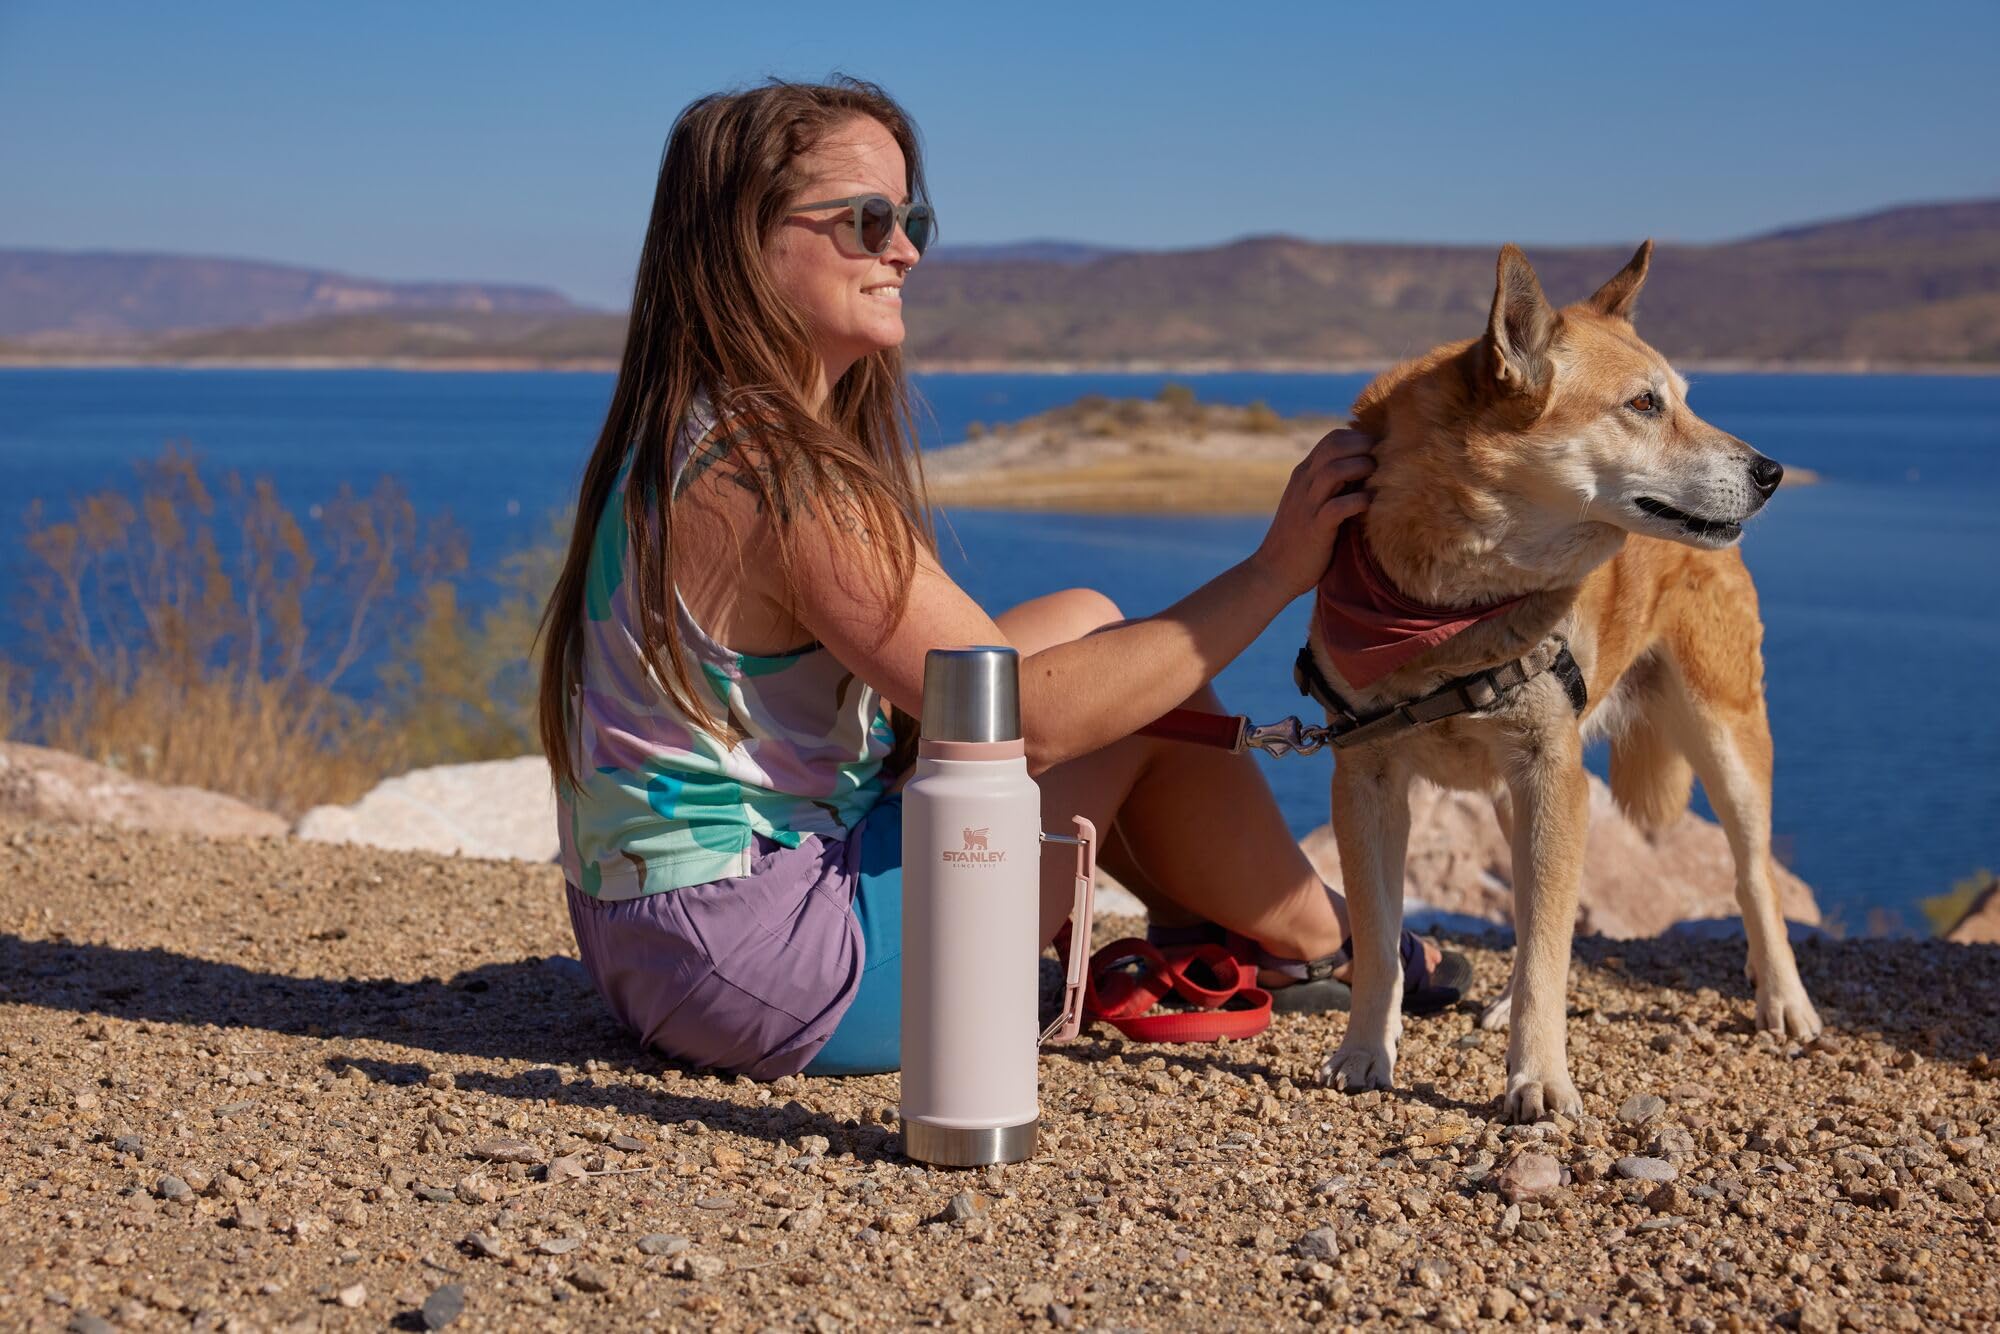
(1520, 329)
(1617, 297)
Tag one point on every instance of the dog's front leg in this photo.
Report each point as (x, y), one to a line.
(1551, 799)
(1371, 826)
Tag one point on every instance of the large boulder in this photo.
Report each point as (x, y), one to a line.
(41, 784)
(494, 808)
(1633, 884)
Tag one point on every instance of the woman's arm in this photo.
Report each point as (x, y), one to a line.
(1079, 696)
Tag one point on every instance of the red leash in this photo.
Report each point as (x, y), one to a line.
(1128, 979)
(1223, 730)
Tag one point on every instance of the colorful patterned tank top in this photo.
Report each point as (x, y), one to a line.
(660, 804)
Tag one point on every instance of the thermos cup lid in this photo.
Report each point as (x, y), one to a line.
(972, 694)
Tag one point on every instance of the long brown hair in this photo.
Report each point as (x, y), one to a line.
(707, 319)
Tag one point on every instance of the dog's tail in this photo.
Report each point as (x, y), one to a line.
(1650, 777)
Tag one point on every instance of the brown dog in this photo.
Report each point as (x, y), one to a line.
(1555, 462)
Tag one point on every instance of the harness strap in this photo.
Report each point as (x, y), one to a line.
(1466, 694)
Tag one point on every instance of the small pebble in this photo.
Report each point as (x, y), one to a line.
(484, 1246)
(569, 1168)
(1640, 1108)
(698, 1267)
(1671, 1142)
(443, 1306)
(1645, 1169)
(662, 1243)
(352, 1296)
(476, 1189)
(1529, 1175)
(1319, 1244)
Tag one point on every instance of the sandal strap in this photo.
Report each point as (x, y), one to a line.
(1416, 967)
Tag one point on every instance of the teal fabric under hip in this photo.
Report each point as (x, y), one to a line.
(868, 1039)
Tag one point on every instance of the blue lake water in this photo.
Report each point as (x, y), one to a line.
(1880, 588)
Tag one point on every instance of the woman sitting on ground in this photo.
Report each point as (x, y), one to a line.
(753, 574)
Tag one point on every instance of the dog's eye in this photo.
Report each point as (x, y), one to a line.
(1646, 403)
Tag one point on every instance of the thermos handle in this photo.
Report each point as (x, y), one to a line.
(1070, 1021)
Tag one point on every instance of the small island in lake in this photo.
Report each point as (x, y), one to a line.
(1170, 455)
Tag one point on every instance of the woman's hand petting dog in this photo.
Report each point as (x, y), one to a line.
(1297, 549)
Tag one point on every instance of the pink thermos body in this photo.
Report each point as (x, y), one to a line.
(972, 836)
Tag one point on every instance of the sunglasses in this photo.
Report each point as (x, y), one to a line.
(876, 220)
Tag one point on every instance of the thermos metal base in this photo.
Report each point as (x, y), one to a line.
(953, 1146)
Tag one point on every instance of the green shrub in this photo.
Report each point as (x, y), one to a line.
(1947, 910)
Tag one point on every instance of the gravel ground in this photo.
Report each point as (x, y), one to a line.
(262, 1084)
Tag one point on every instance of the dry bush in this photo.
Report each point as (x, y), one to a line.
(10, 703)
(460, 691)
(179, 664)
(1259, 417)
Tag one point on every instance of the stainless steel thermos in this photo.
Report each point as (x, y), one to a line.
(972, 836)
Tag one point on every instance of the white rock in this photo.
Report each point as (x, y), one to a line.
(502, 809)
(42, 784)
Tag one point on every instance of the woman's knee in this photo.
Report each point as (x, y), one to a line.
(1057, 618)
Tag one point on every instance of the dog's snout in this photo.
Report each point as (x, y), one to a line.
(1765, 474)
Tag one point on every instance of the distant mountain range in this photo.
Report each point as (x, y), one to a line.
(80, 296)
(1918, 285)
(1051, 252)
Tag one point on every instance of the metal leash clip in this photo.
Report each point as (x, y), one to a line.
(1286, 737)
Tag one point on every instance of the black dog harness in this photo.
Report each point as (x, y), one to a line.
(1472, 693)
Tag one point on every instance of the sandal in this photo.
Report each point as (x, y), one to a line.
(1315, 989)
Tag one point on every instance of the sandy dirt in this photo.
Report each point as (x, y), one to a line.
(263, 1084)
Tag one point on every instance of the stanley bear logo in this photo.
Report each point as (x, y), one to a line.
(975, 852)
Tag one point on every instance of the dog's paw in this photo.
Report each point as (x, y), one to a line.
(1788, 1012)
(1356, 1069)
(1530, 1099)
(1497, 1012)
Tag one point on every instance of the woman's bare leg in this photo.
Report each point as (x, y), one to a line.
(1199, 826)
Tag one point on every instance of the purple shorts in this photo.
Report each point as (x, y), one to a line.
(752, 974)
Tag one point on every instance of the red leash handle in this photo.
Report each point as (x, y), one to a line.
(1223, 730)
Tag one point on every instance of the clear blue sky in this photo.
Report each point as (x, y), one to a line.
(504, 141)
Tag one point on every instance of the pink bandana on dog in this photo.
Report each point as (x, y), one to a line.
(1367, 627)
